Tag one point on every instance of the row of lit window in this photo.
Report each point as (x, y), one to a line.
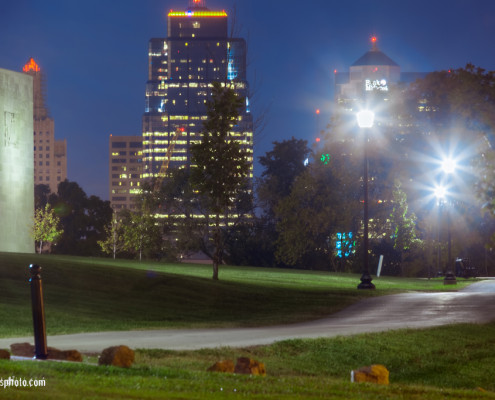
(126, 176)
(124, 183)
(40, 178)
(124, 153)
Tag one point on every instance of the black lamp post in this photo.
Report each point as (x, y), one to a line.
(448, 167)
(365, 121)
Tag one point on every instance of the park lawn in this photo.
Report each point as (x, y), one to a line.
(98, 294)
(449, 362)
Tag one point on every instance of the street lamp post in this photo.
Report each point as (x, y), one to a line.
(449, 166)
(365, 121)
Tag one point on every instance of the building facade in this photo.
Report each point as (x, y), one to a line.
(50, 155)
(372, 73)
(125, 170)
(16, 162)
(182, 68)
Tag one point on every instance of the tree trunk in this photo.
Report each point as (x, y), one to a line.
(41, 246)
(216, 254)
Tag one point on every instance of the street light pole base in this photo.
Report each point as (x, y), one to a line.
(450, 279)
(366, 282)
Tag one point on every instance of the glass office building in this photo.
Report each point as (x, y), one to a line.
(182, 67)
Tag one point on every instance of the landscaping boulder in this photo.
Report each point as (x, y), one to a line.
(65, 355)
(375, 373)
(118, 356)
(222, 366)
(4, 355)
(249, 366)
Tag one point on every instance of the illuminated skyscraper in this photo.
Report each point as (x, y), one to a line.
(181, 70)
(50, 155)
(125, 169)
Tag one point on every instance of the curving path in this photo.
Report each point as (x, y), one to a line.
(474, 304)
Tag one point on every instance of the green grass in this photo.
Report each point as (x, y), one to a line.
(450, 362)
(84, 294)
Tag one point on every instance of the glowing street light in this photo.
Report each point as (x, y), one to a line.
(449, 165)
(440, 193)
(365, 121)
(365, 118)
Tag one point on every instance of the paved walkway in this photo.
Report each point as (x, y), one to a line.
(475, 304)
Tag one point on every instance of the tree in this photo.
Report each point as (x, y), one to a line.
(114, 241)
(83, 219)
(324, 201)
(141, 234)
(282, 166)
(222, 165)
(46, 226)
(403, 224)
(461, 101)
(41, 194)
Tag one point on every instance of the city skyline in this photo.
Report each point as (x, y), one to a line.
(94, 55)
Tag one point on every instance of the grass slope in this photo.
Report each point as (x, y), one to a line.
(452, 362)
(84, 295)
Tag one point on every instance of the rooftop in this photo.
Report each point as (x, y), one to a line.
(374, 57)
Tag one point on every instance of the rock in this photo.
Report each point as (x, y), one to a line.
(118, 356)
(65, 355)
(249, 366)
(4, 354)
(222, 366)
(375, 373)
(22, 349)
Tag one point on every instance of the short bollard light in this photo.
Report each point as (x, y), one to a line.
(40, 348)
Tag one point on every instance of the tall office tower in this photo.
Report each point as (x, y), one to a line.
(125, 169)
(50, 155)
(182, 68)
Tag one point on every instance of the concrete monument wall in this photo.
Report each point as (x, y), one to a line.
(16, 162)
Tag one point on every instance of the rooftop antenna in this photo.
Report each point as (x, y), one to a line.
(374, 40)
(197, 4)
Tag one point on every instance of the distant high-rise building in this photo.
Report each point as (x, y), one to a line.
(181, 70)
(374, 72)
(125, 169)
(50, 155)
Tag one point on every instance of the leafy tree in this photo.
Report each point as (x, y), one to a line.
(221, 164)
(282, 166)
(403, 224)
(41, 194)
(46, 226)
(114, 241)
(83, 219)
(324, 200)
(141, 233)
(141, 229)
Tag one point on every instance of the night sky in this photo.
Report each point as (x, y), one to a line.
(94, 55)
